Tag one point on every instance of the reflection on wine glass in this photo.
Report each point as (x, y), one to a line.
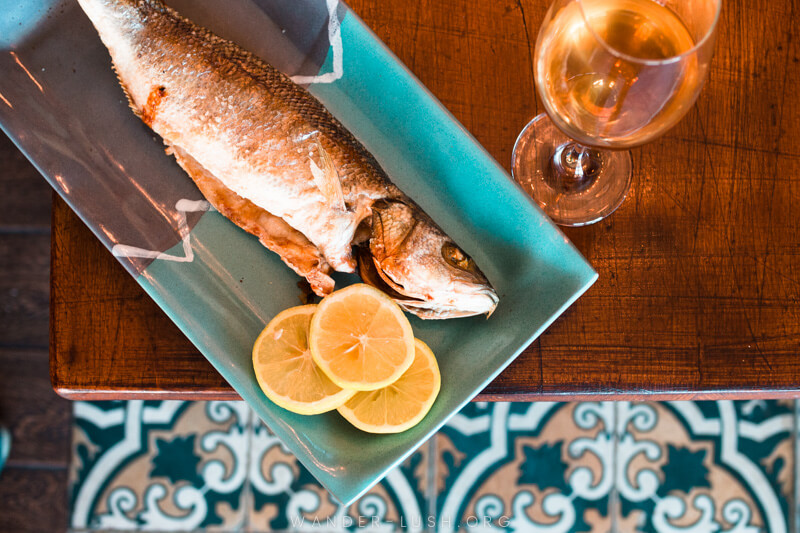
(612, 74)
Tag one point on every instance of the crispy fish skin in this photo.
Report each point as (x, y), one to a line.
(241, 119)
(273, 232)
(264, 150)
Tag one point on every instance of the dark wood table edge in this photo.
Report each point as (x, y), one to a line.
(219, 395)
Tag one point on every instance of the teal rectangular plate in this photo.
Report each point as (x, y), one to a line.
(232, 286)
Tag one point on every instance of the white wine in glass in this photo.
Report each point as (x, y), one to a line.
(611, 74)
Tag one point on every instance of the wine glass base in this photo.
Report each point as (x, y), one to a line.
(570, 200)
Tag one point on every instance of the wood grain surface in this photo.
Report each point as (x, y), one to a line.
(699, 289)
(33, 484)
(23, 277)
(33, 500)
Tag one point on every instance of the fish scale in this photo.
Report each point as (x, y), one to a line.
(268, 155)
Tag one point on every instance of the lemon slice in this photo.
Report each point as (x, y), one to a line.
(402, 404)
(285, 369)
(361, 339)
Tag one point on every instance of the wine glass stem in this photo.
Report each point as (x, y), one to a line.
(575, 167)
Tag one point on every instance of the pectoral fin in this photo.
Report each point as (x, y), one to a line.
(273, 232)
(327, 179)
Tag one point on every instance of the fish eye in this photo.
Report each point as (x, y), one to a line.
(453, 256)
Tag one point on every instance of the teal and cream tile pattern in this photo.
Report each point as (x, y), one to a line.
(285, 497)
(597, 467)
(214, 466)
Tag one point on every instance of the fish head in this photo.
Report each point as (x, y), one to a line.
(418, 265)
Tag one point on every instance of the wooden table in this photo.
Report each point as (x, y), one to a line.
(699, 289)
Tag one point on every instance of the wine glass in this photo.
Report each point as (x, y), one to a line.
(612, 74)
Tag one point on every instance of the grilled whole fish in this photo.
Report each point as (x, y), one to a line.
(271, 158)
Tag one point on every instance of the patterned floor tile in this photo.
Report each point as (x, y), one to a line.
(705, 466)
(285, 497)
(700, 467)
(526, 467)
(159, 465)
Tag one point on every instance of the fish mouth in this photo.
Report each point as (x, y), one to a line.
(493, 298)
(432, 311)
(483, 301)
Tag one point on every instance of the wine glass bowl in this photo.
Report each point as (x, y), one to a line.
(612, 74)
